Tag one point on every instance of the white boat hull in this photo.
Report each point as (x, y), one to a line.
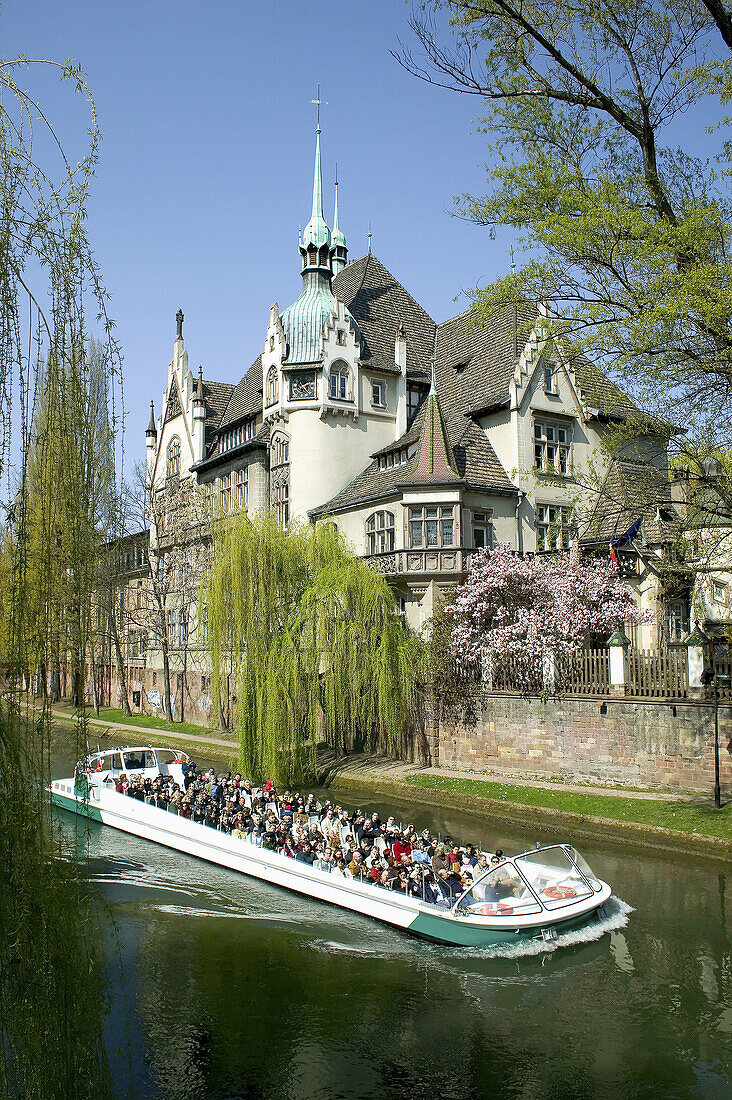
(392, 907)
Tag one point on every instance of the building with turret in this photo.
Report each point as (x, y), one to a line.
(420, 440)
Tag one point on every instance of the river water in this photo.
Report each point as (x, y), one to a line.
(223, 988)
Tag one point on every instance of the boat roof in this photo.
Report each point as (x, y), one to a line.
(135, 748)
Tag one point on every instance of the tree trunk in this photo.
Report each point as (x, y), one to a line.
(55, 678)
(166, 683)
(121, 673)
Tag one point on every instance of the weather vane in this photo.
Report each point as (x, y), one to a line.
(318, 102)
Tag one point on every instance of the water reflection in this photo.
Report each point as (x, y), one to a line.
(223, 987)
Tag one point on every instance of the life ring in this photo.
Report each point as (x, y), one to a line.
(98, 767)
(178, 760)
(556, 893)
(493, 910)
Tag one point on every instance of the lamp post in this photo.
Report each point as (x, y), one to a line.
(711, 676)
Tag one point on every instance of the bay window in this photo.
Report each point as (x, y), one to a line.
(431, 526)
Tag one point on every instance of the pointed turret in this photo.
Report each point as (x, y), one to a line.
(303, 322)
(434, 463)
(338, 250)
(151, 438)
(315, 243)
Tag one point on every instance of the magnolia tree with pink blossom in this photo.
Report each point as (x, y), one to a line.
(526, 608)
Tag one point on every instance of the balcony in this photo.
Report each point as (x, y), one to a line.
(454, 561)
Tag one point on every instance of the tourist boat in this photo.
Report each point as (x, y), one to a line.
(537, 894)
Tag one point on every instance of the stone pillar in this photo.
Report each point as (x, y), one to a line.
(618, 643)
(548, 671)
(696, 645)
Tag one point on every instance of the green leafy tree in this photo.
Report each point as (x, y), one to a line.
(625, 234)
(51, 983)
(313, 642)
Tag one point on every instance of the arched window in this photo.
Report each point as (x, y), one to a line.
(273, 386)
(173, 464)
(340, 382)
(279, 453)
(380, 532)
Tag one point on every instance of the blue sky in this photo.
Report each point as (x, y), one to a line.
(205, 169)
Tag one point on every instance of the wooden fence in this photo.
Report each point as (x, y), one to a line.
(649, 674)
(660, 673)
(587, 673)
(723, 672)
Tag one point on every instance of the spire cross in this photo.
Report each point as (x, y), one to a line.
(318, 102)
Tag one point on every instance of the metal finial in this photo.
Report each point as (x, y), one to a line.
(369, 237)
(513, 262)
(318, 102)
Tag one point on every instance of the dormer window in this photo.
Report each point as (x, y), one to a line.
(413, 403)
(340, 378)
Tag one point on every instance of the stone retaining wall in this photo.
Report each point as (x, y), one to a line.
(641, 743)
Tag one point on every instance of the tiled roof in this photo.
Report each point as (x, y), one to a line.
(217, 395)
(379, 303)
(434, 462)
(475, 364)
(246, 397)
(632, 491)
(475, 461)
(599, 392)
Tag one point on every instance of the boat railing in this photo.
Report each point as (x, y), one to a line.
(466, 904)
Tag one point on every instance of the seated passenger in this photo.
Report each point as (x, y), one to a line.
(340, 868)
(401, 847)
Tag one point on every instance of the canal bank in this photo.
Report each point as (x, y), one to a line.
(641, 820)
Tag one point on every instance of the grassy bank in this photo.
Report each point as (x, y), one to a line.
(149, 721)
(684, 817)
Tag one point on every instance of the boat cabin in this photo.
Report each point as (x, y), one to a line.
(547, 878)
(144, 761)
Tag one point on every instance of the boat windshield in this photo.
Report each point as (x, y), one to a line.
(554, 876)
(585, 868)
(501, 891)
(139, 759)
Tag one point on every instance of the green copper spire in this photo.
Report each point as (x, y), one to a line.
(338, 250)
(316, 231)
(337, 237)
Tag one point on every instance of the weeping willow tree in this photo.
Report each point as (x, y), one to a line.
(52, 1000)
(311, 638)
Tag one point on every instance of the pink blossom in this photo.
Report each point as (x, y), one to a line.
(523, 608)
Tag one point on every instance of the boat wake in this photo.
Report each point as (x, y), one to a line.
(616, 916)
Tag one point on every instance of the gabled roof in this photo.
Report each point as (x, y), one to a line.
(633, 491)
(379, 303)
(475, 463)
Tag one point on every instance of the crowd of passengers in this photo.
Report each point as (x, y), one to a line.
(326, 836)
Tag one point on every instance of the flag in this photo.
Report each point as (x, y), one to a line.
(627, 536)
(613, 555)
